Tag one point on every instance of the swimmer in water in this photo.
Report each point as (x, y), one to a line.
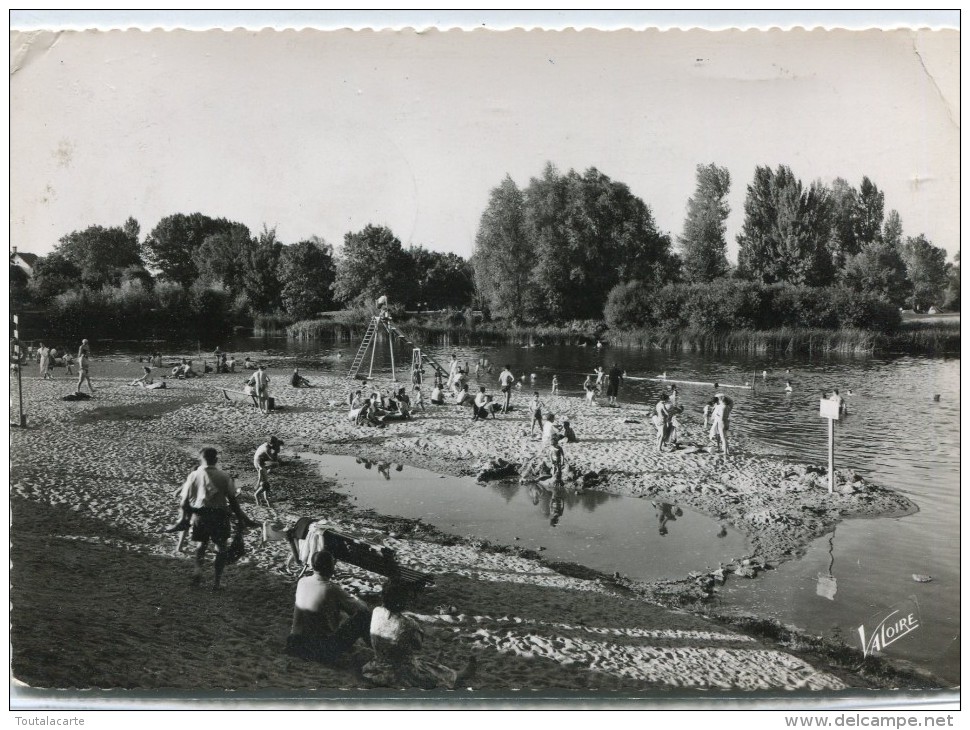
(788, 386)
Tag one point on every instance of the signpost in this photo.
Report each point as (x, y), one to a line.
(830, 409)
(18, 359)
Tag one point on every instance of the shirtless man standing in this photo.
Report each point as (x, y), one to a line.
(505, 380)
(260, 383)
(317, 634)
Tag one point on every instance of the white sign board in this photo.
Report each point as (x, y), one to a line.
(829, 409)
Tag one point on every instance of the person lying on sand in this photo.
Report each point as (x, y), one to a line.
(317, 632)
(396, 640)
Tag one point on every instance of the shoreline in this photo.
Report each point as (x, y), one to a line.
(188, 415)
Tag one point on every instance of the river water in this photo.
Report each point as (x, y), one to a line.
(895, 434)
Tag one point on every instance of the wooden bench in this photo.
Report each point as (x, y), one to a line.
(233, 396)
(375, 558)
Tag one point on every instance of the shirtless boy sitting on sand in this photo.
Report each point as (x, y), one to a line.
(317, 633)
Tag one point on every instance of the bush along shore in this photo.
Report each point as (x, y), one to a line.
(909, 338)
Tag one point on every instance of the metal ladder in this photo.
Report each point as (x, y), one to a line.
(369, 336)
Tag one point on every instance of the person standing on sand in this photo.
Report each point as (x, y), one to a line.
(555, 385)
(661, 420)
(209, 496)
(535, 408)
(719, 421)
(44, 354)
(452, 369)
(83, 349)
(267, 453)
(315, 634)
(83, 363)
(505, 380)
(260, 382)
(615, 378)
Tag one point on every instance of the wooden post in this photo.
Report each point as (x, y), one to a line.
(390, 340)
(373, 344)
(831, 455)
(829, 409)
(18, 351)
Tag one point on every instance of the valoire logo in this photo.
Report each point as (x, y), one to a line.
(903, 620)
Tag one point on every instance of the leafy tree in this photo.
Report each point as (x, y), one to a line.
(19, 292)
(703, 246)
(786, 230)
(222, 257)
(892, 230)
(441, 280)
(137, 276)
(589, 233)
(53, 275)
(871, 207)
(926, 271)
(845, 222)
(372, 263)
(307, 272)
(878, 269)
(100, 253)
(952, 299)
(504, 255)
(172, 244)
(260, 273)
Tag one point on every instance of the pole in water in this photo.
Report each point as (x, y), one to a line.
(831, 455)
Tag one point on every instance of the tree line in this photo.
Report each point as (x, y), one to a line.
(579, 246)
(199, 269)
(569, 246)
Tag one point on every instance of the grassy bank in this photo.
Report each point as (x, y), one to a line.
(913, 337)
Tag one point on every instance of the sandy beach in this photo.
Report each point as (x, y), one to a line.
(99, 600)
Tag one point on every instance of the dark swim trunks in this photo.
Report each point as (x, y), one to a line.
(210, 523)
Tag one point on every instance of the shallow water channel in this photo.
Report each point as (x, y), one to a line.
(639, 538)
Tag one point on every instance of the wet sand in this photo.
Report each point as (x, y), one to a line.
(93, 481)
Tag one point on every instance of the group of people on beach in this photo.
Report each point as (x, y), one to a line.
(327, 621)
(49, 357)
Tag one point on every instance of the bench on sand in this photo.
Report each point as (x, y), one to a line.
(374, 558)
(233, 396)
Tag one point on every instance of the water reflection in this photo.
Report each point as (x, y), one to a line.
(383, 467)
(667, 512)
(826, 586)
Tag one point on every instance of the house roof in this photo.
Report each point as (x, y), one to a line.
(28, 258)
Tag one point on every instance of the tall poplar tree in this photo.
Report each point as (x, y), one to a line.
(703, 248)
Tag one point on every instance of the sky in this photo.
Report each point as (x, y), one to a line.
(318, 133)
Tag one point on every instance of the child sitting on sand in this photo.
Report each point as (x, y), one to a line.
(437, 395)
(298, 381)
(396, 640)
(146, 381)
(568, 433)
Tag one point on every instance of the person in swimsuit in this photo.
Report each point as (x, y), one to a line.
(317, 632)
